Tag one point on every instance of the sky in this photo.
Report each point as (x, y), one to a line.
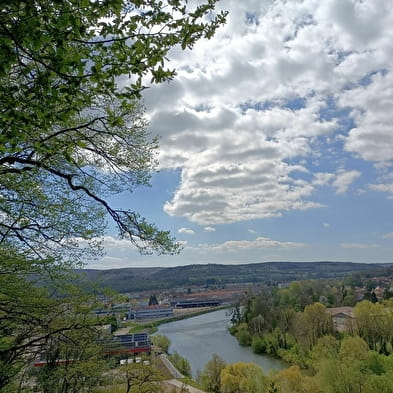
(276, 139)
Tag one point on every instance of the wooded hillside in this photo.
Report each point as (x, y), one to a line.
(135, 279)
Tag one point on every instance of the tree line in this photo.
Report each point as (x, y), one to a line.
(291, 324)
(338, 366)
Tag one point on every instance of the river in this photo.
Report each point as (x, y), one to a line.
(198, 338)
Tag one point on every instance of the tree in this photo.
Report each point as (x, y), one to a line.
(36, 320)
(242, 377)
(373, 324)
(327, 347)
(153, 300)
(273, 388)
(242, 334)
(236, 315)
(344, 370)
(74, 362)
(312, 324)
(210, 376)
(161, 341)
(71, 128)
(140, 378)
(291, 380)
(181, 363)
(72, 132)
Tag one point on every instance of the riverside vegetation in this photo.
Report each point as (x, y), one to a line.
(289, 323)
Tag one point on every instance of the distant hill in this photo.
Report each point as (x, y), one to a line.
(139, 279)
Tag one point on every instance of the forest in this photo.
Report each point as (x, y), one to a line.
(139, 279)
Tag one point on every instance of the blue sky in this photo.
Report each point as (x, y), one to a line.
(276, 139)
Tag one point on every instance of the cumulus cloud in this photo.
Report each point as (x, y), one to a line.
(372, 138)
(344, 179)
(209, 229)
(186, 231)
(322, 179)
(281, 85)
(383, 187)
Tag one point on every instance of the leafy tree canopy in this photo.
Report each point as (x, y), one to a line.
(35, 318)
(71, 127)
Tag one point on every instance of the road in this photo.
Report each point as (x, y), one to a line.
(171, 368)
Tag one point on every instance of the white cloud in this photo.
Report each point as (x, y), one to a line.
(111, 242)
(246, 113)
(326, 225)
(209, 229)
(221, 193)
(246, 107)
(383, 187)
(388, 235)
(258, 243)
(322, 178)
(186, 231)
(344, 179)
(372, 138)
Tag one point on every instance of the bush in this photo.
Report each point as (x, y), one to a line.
(243, 335)
(258, 344)
(161, 341)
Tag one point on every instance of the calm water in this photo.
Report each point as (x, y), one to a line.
(198, 338)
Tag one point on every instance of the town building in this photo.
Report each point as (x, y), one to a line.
(151, 313)
(197, 303)
(343, 318)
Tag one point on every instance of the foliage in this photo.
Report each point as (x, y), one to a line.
(82, 367)
(272, 388)
(358, 361)
(243, 335)
(312, 324)
(181, 363)
(292, 380)
(210, 376)
(139, 378)
(236, 315)
(72, 133)
(40, 319)
(271, 325)
(71, 128)
(161, 341)
(242, 377)
(373, 324)
(153, 300)
(258, 344)
(160, 278)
